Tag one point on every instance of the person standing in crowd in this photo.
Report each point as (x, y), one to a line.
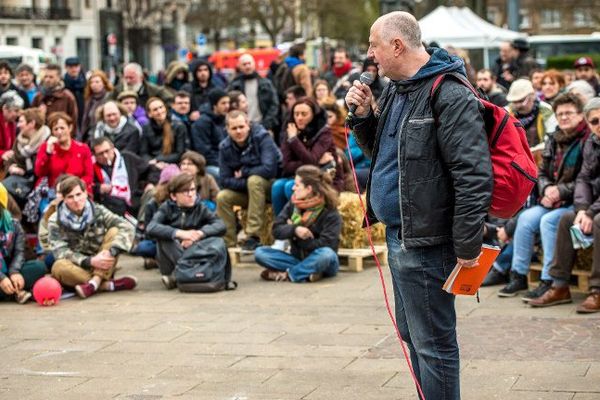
(180, 223)
(202, 83)
(6, 83)
(11, 105)
(553, 84)
(209, 130)
(312, 223)
(536, 80)
(307, 140)
(504, 66)
(114, 124)
(586, 215)
(337, 76)
(177, 75)
(19, 165)
(86, 240)
(524, 63)
(135, 112)
(54, 96)
(378, 81)
(181, 111)
(195, 164)
(434, 216)
(486, 82)
(561, 162)
(586, 70)
(117, 177)
(296, 66)
(17, 276)
(97, 91)
(536, 117)
(26, 80)
(134, 80)
(75, 81)
(248, 162)
(263, 102)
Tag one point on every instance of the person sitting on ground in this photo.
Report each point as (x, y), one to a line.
(118, 177)
(26, 80)
(54, 97)
(21, 159)
(97, 91)
(195, 164)
(586, 216)
(209, 130)
(323, 92)
(181, 111)
(307, 140)
(553, 84)
(182, 223)
(17, 276)
(581, 88)
(562, 159)
(313, 224)
(11, 105)
(248, 162)
(486, 82)
(238, 101)
(163, 140)
(176, 76)
(114, 124)
(203, 82)
(6, 83)
(86, 240)
(135, 112)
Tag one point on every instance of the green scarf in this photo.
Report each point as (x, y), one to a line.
(307, 211)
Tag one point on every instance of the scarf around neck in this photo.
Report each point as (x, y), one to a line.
(119, 180)
(307, 211)
(29, 146)
(72, 221)
(527, 120)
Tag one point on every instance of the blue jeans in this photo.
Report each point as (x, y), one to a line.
(322, 260)
(532, 221)
(504, 259)
(425, 314)
(281, 192)
(146, 248)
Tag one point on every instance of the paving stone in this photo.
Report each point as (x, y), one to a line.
(292, 363)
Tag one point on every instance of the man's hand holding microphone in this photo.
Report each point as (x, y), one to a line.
(359, 96)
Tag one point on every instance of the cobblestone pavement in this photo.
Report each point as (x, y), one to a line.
(329, 340)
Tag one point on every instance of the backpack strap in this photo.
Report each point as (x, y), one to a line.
(459, 77)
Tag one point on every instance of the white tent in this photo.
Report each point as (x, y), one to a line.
(460, 27)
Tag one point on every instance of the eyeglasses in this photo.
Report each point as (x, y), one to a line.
(566, 114)
(188, 190)
(594, 121)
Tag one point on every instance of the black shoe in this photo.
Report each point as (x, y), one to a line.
(150, 263)
(495, 277)
(251, 244)
(537, 292)
(516, 284)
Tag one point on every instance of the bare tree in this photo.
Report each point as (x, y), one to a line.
(213, 16)
(272, 15)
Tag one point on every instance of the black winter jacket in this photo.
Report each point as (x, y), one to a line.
(152, 142)
(170, 217)
(128, 139)
(260, 157)
(587, 188)
(326, 231)
(207, 132)
(268, 101)
(444, 162)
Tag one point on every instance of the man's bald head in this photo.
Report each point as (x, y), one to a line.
(399, 24)
(246, 64)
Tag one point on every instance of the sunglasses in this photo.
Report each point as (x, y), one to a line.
(594, 121)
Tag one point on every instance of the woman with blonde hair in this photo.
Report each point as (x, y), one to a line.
(312, 223)
(97, 90)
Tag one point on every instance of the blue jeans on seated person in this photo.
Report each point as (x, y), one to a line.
(281, 193)
(425, 314)
(323, 260)
(504, 259)
(532, 221)
(146, 248)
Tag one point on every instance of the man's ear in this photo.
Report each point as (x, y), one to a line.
(398, 46)
(172, 197)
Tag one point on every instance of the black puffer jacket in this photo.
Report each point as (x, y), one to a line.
(199, 94)
(587, 188)
(170, 217)
(207, 132)
(444, 163)
(152, 142)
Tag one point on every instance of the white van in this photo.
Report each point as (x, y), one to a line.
(36, 58)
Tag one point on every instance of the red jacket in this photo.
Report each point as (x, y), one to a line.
(75, 161)
(8, 131)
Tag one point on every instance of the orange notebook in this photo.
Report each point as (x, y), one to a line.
(468, 280)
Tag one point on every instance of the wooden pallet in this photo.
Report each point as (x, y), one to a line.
(355, 259)
(583, 277)
(240, 258)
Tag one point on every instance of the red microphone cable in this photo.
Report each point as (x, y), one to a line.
(381, 278)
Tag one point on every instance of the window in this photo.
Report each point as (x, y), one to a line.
(524, 19)
(83, 51)
(12, 41)
(37, 43)
(88, 4)
(582, 18)
(550, 18)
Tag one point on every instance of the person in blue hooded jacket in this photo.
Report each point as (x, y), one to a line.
(430, 184)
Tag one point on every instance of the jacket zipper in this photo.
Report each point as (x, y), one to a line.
(499, 130)
(402, 245)
(521, 170)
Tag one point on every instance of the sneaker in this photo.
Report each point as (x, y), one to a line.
(150, 263)
(125, 283)
(168, 282)
(317, 276)
(516, 284)
(495, 277)
(85, 290)
(251, 244)
(591, 304)
(23, 297)
(537, 292)
(553, 296)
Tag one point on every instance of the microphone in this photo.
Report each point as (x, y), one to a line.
(367, 79)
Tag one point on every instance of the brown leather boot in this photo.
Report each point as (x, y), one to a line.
(554, 296)
(591, 304)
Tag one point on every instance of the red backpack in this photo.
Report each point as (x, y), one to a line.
(515, 171)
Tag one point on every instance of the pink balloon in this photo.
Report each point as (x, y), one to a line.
(47, 291)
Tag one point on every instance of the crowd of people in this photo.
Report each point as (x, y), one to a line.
(93, 169)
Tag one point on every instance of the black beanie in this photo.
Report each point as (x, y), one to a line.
(215, 95)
